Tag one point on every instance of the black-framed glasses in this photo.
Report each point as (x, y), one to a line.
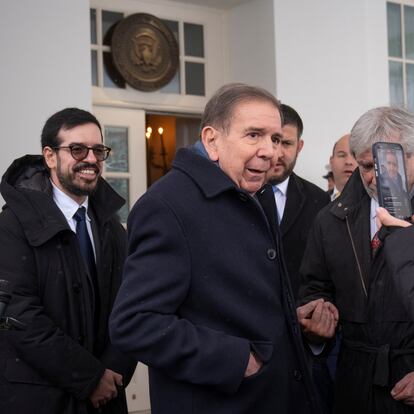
(79, 151)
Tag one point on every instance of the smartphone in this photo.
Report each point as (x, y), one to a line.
(391, 179)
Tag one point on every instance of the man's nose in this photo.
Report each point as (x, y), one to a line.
(91, 158)
(350, 160)
(268, 149)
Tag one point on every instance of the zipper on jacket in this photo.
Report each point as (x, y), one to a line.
(356, 258)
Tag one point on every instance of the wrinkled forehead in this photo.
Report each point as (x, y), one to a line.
(243, 104)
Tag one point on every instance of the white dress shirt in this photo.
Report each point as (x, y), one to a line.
(69, 207)
(280, 191)
(373, 216)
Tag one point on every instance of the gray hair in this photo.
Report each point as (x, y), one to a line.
(383, 124)
(219, 109)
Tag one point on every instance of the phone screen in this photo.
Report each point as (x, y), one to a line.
(391, 179)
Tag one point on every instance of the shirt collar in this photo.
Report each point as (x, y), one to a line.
(66, 204)
(282, 187)
(373, 222)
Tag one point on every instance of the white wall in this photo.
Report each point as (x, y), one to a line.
(326, 58)
(45, 67)
(252, 44)
(331, 66)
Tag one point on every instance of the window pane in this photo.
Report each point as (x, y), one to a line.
(92, 18)
(117, 139)
(409, 31)
(174, 85)
(193, 40)
(410, 86)
(121, 186)
(394, 29)
(112, 78)
(109, 19)
(186, 131)
(94, 67)
(194, 79)
(173, 26)
(396, 83)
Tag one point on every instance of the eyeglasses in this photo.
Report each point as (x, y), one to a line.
(79, 151)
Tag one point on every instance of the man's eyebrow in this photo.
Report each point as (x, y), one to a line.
(254, 129)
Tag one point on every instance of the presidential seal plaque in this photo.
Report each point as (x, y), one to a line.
(144, 51)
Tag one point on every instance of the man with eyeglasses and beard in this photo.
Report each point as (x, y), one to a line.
(62, 250)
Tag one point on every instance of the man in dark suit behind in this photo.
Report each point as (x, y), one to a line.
(298, 201)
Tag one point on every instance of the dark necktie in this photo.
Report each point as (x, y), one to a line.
(84, 240)
(86, 250)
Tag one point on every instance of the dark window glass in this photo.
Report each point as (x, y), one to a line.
(394, 29)
(193, 40)
(194, 79)
(409, 68)
(396, 83)
(409, 31)
(173, 26)
(92, 18)
(94, 67)
(121, 186)
(109, 20)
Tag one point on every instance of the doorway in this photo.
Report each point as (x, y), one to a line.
(165, 134)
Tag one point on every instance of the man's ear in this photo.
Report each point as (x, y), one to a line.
(300, 145)
(209, 137)
(49, 156)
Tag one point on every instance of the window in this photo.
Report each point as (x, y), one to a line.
(400, 23)
(190, 76)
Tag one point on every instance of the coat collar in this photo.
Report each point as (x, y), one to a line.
(207, 175)
(352, 197)
(27, 190)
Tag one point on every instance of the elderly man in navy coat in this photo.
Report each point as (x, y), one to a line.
(205, 301)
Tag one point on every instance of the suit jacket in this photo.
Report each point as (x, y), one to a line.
(304, 200)
(204, 284)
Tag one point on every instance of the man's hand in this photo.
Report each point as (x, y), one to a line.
(318, 320)
(404, 390)
(253, 365)
(106, 388)
(384, 218)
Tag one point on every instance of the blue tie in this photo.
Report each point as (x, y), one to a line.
(86, 249)
(84, 240)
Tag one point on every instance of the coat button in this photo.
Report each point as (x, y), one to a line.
(271, 254)
(297, 375)
(81, 338)
(76, 288)
(243, 197)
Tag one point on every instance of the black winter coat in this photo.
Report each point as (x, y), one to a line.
(378, 332)
(204, 284)
(53, 365)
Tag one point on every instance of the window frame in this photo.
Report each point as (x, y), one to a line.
(403, 60)
(214, 35)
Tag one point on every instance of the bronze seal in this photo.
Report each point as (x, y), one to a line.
(144, 51)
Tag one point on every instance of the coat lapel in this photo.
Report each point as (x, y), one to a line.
(294, 204)
(267, 201)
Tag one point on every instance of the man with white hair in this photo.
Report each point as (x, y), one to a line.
(345, 264)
